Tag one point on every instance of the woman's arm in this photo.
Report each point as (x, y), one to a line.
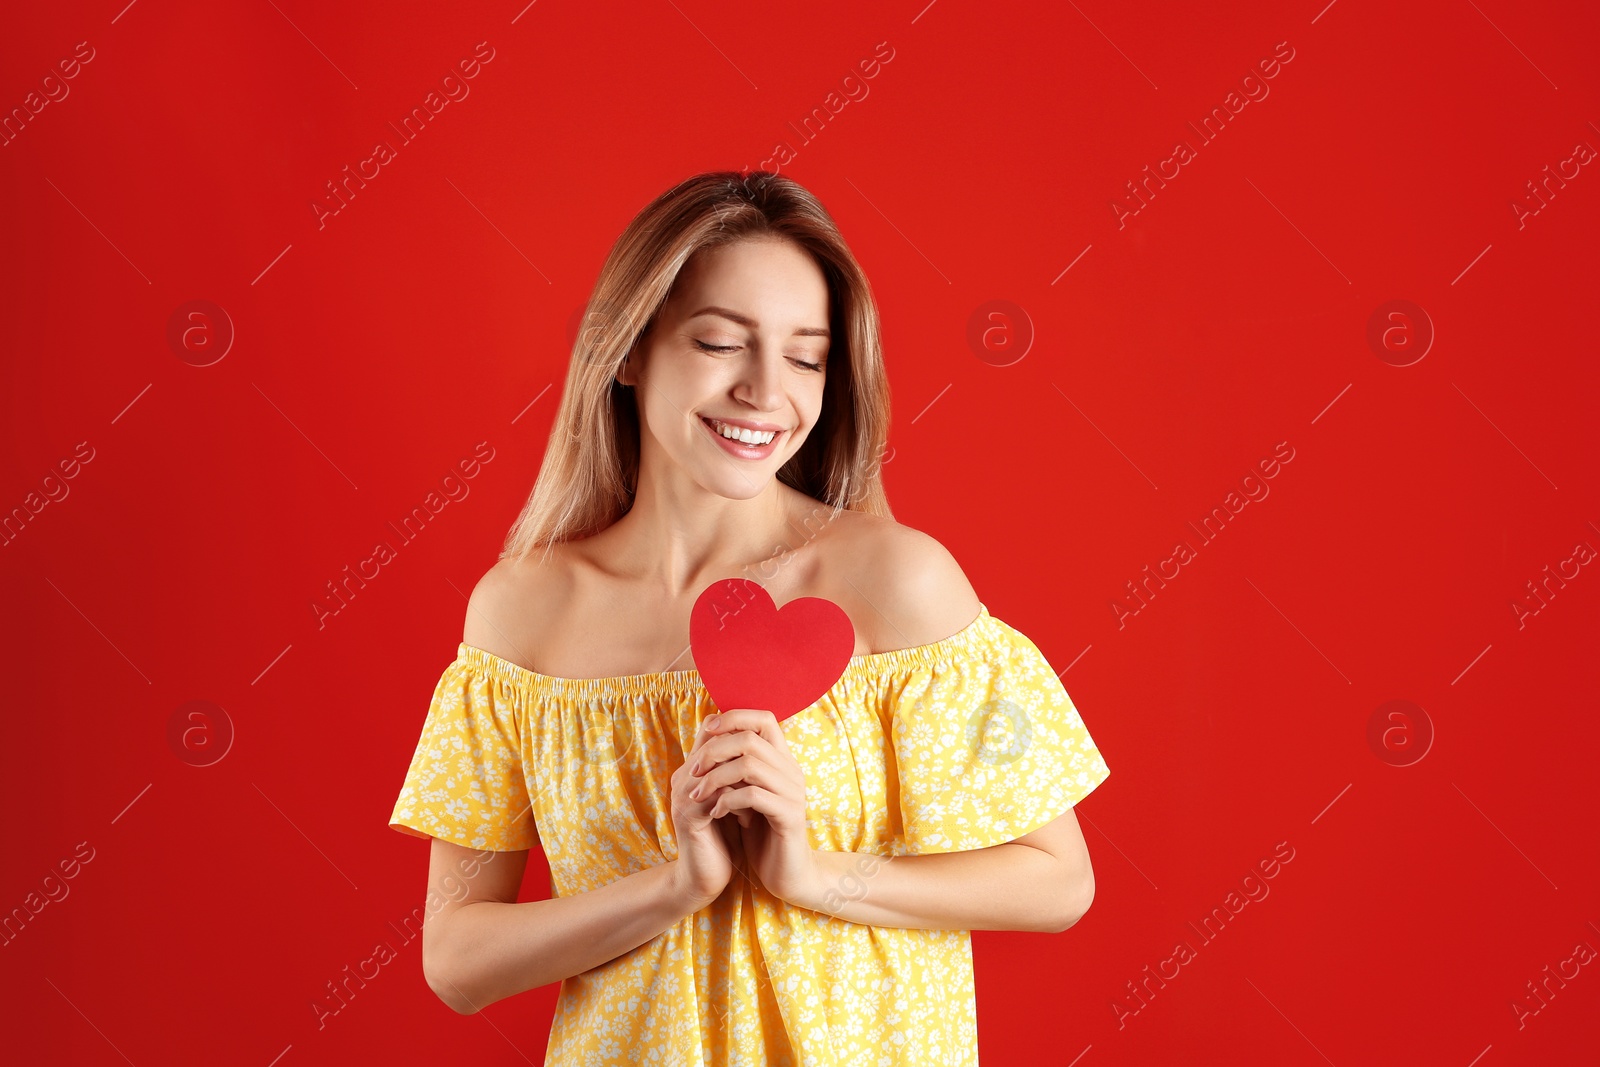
(479, 945)
(1042, 881)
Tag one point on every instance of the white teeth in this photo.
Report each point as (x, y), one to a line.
(743, 436)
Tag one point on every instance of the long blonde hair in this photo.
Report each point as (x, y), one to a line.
(590, 470)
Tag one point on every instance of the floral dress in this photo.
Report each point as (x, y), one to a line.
(960, 744)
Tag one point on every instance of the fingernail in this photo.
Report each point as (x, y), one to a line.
(713, 722)
(696, 794)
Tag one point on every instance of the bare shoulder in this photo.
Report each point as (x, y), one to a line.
(915, 591)
(511, 602)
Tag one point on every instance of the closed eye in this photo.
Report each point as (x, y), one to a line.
(734, 348)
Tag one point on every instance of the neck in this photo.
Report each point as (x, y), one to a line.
(679, 536)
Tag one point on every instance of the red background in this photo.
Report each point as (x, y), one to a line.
(1230, 314)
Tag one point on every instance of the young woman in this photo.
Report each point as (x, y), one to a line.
(728, 889)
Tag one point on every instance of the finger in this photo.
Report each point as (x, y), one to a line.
(750, 797)
(737, 770)
(755, 765)
(701, 733)
(756, 720)
(730, 740)
(754, 760)
(722, 750)
(783, 788)
(701, 803)
(701, 789)
(715, 752)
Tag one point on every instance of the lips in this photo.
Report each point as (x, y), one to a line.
(739, 448)
(713, 423)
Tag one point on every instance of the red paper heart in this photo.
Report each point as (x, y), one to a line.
(750, 654)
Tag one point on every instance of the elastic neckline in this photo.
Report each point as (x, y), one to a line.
(680, 681)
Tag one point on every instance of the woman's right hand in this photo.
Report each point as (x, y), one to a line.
(704, 863)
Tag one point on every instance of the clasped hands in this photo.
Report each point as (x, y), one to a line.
(745, 761)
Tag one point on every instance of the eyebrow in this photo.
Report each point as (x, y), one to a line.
(745, 320)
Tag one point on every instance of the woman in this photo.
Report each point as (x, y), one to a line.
(732, 889)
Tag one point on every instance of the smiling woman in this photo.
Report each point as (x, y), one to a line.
(684, 279)
(710, 349)
(728, 888)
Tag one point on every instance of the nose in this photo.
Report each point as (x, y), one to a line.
(760, 382)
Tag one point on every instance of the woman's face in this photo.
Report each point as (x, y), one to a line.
(742, 341)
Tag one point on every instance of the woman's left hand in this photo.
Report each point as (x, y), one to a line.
(746, 757)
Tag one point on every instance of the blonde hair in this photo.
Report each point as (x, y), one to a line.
(590, 470)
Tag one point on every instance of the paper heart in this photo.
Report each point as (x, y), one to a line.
(752, 654)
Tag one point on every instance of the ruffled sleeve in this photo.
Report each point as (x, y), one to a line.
(465, 784)
(987, 744)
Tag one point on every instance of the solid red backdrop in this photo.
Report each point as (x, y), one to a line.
(1131, 260)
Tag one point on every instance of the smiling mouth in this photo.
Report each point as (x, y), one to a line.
(716, 428)
(740, 448)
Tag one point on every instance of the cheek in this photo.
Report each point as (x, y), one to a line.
(814, 406)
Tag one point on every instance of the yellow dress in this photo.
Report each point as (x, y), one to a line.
(960, 744)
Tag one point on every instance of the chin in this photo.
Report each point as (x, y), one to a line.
(738, 489)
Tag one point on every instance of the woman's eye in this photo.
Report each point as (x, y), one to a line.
(706, 346)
